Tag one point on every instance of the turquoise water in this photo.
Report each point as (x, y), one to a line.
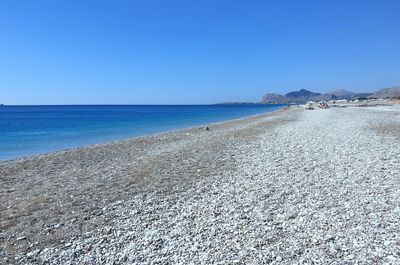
(27, 130)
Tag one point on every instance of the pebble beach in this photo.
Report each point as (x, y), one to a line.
(287, 187)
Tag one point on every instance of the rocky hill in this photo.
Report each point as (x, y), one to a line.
(303, 95)
(274, 98)
(387, 93)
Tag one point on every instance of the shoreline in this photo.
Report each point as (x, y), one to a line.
(135, 137)
(68, 187)
(284, 186)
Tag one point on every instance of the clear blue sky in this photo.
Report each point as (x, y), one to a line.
(205, 51)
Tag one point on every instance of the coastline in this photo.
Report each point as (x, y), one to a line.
(139, 120)
(271, 185)
(49, 175)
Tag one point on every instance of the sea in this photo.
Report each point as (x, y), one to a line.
(28, 130)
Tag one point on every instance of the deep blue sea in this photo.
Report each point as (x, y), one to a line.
(26, 130)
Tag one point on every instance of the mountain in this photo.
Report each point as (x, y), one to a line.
(303, 95)
(298, 97)
(274, 98)
(387, 93)
(362, 95)
(344, 94)
(341, 93)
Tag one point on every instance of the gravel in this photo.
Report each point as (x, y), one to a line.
(293, 187)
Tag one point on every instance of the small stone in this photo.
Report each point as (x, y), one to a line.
(107, 230)
(330, 238)
(57, 226)
(206, 128)
(33, 253)
(21, 238)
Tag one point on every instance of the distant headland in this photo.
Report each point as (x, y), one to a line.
(301, 96)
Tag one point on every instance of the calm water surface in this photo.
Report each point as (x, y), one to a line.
(26, 130)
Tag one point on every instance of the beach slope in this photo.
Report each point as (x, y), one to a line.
(290, 186)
